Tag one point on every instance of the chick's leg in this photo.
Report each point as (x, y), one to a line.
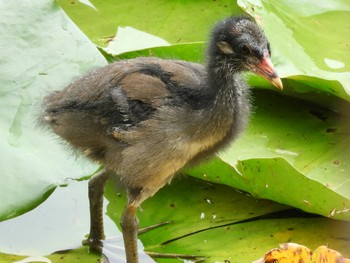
(130, 224)
(96, 190)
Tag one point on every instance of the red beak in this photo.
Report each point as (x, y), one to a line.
(266, 69)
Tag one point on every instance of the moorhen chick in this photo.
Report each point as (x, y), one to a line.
(144, 119)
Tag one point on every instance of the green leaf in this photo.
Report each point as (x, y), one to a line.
(193, 52)
(217, 222)
(44, 57)
(191, 205)
(206, 219)
(170, 20)
(250, 241)
(71, 256)
(293, 152)
(308, 38)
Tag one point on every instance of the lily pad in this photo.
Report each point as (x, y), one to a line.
(170, 20)
(309, 38)
(32, 160)
(193, 52)
(293, 152)
(245, 242)
(219, 223)
(206, 219)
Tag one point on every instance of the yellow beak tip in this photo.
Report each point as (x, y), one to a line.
(277, 83)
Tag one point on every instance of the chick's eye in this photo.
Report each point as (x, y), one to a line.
(244, 49)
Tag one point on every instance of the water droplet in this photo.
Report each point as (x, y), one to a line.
(208, 200)
(334, 64)
(307, 202)
(88, 3)
(285, 152)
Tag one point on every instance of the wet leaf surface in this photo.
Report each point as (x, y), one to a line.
(293, 152)
(207, 219)
(43, 58)
(309, 39)
(170, 20)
